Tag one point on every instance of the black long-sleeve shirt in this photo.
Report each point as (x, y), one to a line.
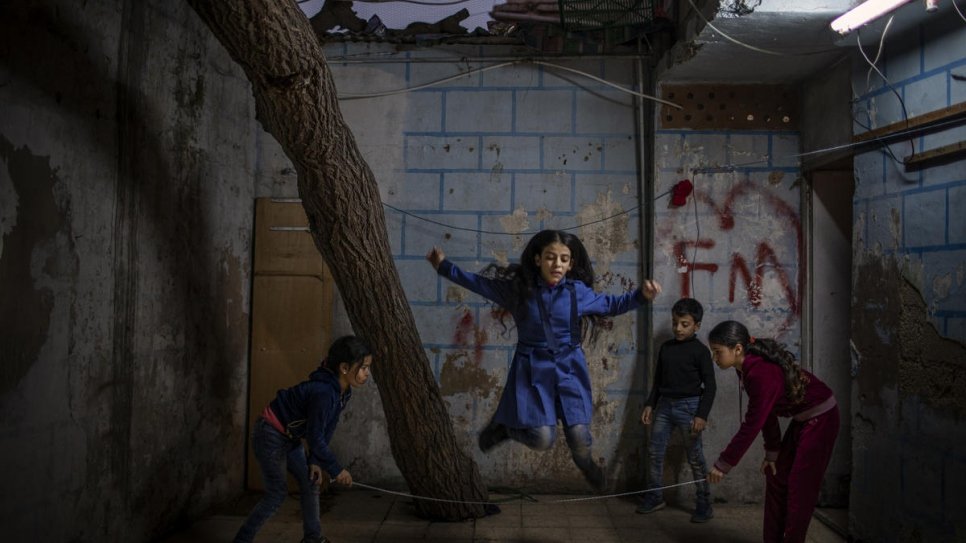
(684, 369)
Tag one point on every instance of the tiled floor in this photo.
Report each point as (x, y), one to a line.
(359, 515)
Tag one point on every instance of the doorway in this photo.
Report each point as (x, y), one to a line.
(827, 328)
(292, 303)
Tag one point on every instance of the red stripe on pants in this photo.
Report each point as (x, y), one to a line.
(791, 494)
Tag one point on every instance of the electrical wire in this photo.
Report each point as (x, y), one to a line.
(886, 148)
(752, 47)
(869, 115)
(608, 83)
(961, 16)
(460, 75)
(425, 85)
(697, 229)
(882, 139)
(885, 80)
(497, 233)
(873, 63)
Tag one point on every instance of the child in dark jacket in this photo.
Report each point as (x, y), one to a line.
(307, 411)
(681, 398)
(777, 387)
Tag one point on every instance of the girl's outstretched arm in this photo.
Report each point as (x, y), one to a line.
(435, 256)
(650, 289)
(591, 302)
(497, 291)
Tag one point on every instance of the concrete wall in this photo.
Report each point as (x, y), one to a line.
(130, 160)
(745, 217)
(909, 303)
(126, 165)
(826, 124)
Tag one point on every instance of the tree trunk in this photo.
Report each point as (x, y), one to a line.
(296, 102)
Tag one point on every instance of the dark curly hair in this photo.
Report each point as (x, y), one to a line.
(732, 333)
(523, 276)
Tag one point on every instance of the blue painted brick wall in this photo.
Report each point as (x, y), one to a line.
(906, 447)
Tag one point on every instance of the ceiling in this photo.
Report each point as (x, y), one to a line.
(735, 41)
(795, 33)
(769, 41)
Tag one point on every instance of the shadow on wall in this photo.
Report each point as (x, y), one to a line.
(164, 455)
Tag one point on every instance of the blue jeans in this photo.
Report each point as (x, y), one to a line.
(275, 452)
(541, 438)
(671, 414)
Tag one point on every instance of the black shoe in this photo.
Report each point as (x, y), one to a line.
(702, 514)
(595, 477)
(320, 539)
(650, 504)
(491, 436)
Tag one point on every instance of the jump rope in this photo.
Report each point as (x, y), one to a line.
(522, 496)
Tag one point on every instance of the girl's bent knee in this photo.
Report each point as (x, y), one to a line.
(540, 438)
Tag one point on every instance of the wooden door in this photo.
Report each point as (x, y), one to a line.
(291, 308)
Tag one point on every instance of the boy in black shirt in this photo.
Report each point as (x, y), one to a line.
(681, 397)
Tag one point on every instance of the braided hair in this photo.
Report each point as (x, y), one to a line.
(732, 333)
(523, 276)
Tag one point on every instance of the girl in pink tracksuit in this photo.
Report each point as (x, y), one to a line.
(777, 387)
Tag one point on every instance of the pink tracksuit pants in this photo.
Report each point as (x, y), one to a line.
(791, 494)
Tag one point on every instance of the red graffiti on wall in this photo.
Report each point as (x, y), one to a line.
(766, 262)
(765, 256)
(680, 250)
(467, 332)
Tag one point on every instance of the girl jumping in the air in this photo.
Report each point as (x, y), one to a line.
(549, 294)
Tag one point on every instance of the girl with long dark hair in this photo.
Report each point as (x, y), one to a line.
(778, 387)
(549, 293)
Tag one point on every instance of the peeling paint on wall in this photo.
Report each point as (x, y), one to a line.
(902, 348)
(930, 366)
(461, 375)
(455, 294)
(518, 221)
(606, 239)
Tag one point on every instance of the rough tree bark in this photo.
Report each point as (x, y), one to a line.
(296, 102)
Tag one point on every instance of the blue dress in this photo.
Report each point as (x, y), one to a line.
(548, 377)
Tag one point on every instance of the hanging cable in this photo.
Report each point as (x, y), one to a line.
(526, 233)
(885, 80)
(873, 64)
(350, 96)
(460, 75)
(961, 16)
(697, 232)
(608, 83)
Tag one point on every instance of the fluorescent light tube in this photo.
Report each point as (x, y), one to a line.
(863, 13)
